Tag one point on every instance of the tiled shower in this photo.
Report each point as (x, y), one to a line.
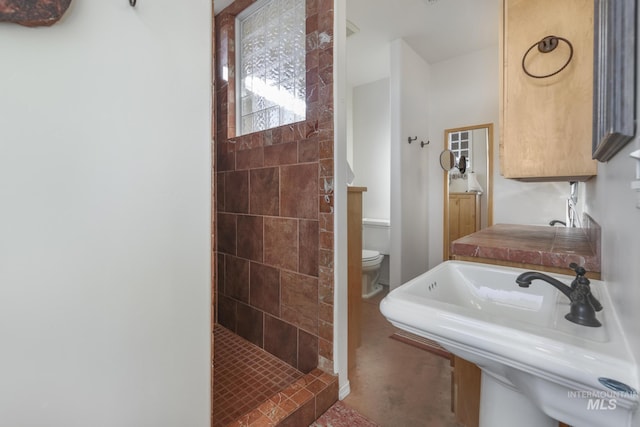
(273, 211)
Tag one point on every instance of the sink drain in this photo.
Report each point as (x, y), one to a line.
(617, 386)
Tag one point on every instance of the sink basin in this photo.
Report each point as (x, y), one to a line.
(533, 360)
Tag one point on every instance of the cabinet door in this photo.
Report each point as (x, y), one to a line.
(463, 215)
(467, 219)
(546, 122)
(454, 217)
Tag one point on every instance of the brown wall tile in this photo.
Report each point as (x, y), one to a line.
(236, 192)
(220, 192)
(250, 159)
(307, 351)
(237, 278)
(265, 191)
(325, 291)
(265, 288)
(325, 312)
(326, 258)
(325, 330)
(325, 149)
(325, 203)
(226, 230)
(326, 222)
(308, 151)
(220, 273)
(326, 240)
(281, 154)
(281, 339)
(325, 349)
(288, 135)
(226, 162)
(250, 237)
(227, 312)
(281, 243)
(299, 191)
(308, 244)
(326, 168)
(249, 324)
(299, 300)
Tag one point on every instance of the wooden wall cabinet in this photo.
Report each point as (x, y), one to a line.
(546, 123)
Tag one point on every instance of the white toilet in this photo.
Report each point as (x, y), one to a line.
(376, 241)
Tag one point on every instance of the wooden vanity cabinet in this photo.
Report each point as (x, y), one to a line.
(546, 123)
(464, 214)
(465, 392)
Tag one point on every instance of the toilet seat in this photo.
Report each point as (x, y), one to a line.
(371, 258)
(368, 255)
(371, 263)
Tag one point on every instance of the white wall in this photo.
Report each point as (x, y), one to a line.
(349, 124)
(372, 147)
(464, 91)
(409, 83)
(612, 203)
(104, 219)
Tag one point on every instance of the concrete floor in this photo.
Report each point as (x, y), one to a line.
(396, 384)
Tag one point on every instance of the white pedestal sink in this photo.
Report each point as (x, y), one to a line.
(537, 367)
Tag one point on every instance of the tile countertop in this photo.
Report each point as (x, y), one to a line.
(531, 244)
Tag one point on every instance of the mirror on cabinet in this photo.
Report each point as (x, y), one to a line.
(468, 185)
(447, 160)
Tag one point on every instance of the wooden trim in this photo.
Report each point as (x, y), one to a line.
(490, 177)
(356, 189)
(445, 207)
(354, 267)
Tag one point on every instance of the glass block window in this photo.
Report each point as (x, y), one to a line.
(271, 71)
(460, 144)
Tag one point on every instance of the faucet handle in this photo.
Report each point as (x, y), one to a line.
(594, 302)
(582, 283)
(580, 271)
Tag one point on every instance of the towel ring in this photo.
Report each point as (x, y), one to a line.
(132, 3)
(546, 45)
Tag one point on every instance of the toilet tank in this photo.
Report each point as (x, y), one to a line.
(376, 235)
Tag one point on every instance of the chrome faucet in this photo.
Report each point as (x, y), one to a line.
(583, 304)
(571, 214)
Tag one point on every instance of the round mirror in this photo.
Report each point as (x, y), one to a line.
(447, 160)
(462, 164)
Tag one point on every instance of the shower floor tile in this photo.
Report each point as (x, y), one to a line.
(245, 376)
